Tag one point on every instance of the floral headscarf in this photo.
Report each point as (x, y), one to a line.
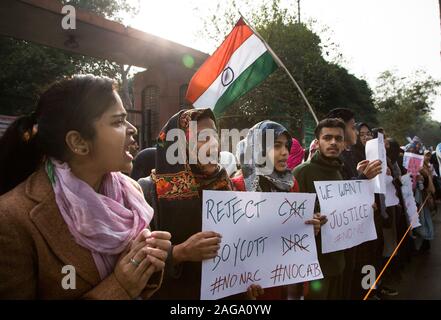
(184, 181)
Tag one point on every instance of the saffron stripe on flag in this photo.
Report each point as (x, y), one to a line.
(215, 64)
(242, 58)
(251, 77)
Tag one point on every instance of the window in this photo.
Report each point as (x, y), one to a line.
(150, 101)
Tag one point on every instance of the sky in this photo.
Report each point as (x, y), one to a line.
(372, 35)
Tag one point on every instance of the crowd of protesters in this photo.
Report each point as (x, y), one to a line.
(65, 201)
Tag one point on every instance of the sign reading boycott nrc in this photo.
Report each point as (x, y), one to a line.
(348, 206)
(265, 241)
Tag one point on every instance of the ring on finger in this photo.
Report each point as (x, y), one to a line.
(134, 262)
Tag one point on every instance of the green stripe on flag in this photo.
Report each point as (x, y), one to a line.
(249, 78)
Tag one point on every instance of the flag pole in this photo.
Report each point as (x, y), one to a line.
(282, 65)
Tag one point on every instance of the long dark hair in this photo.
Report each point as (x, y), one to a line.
(359, 148)
(69, 104)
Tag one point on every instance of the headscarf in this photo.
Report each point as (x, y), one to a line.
(428, 164)
(183, 180)
(296, 154)
(228, 162)
(144, 163)
(410, 146)
(179, 207)
(240, 151)
(255, 176)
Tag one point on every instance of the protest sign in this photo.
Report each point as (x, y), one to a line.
(391, 193)
(265, 241)
(409, 201)
(375, 150)
(348, 206)
(413, 163)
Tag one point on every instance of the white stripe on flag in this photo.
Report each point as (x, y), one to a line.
(240, 60)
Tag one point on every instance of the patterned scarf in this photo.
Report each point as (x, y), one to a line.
(179, 193)
(184, 181)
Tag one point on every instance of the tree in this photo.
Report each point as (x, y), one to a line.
(428, 130)
(326, 84)
(404, 105)
(27, 68)
(110, 9)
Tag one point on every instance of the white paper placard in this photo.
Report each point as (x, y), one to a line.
(375, 150)
(264, 240)
(348, 206)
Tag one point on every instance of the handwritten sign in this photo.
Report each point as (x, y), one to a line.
(375, 150)
(265, 241)
(413, 163)
(348, 206)
(409, 201)
(391, 193)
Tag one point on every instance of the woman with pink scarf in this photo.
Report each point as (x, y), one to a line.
(71, 224)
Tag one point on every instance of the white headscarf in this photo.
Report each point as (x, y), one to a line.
(228, 162)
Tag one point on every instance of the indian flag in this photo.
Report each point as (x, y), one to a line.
(238, 65)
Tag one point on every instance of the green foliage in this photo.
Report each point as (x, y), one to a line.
(110, 9)
(28, 68)
(325, 84)
(428, 130)
(404, 105)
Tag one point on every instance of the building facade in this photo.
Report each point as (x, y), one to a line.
(159, 92)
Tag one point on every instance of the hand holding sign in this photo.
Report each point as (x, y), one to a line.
(200, 246)
(265, 241)
(370, 169)
(317, 221)
(254, 291)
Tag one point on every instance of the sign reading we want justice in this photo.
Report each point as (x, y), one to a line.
(265, 241)
(348, 206)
